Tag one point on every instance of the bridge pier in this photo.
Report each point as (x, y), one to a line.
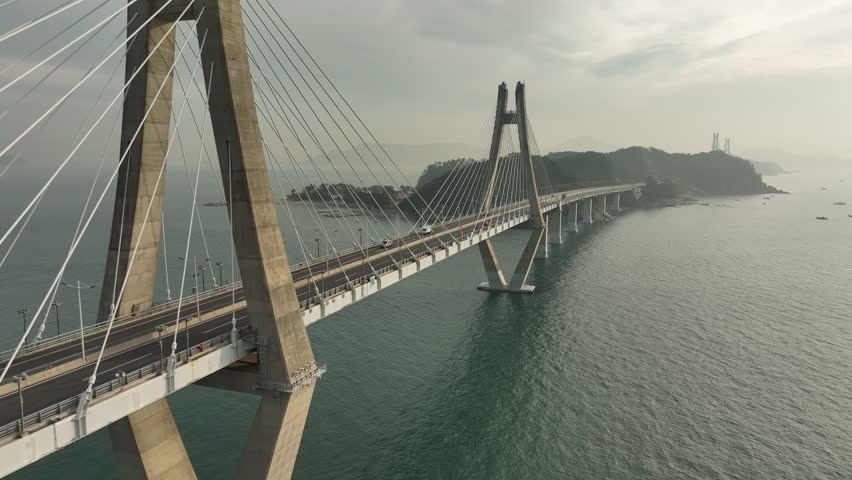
(147, 441)
(616, 201)
(610, 206)
(588, 209)
(599, 207)
(537, 244)
(147, 445)
(555, 226)
(572, 217)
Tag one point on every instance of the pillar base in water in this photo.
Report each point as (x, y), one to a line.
(505, 288)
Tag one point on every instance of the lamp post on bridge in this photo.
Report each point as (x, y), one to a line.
(80, 286)
(20, 378)
(221, 278)
(58, 328)
(23, 313)
(203, 276)
(160, 329)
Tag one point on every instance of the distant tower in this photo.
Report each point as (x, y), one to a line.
(728, 146)
(715, 145)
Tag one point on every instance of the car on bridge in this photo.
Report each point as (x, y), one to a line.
(387, 243)
(426, 230)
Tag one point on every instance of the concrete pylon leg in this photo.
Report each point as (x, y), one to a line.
(522, 270)
(617, 202)
(285, 357)
(518, 282)
(147, 445)
(543, 249)
(555, 226)
(493, 271)
(275, 436)
(572, 218)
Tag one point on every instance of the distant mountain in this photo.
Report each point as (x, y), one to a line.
(712, 173)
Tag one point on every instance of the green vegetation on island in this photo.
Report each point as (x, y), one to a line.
(707, 173)
(669, 175)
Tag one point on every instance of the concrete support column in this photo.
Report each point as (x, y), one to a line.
(617, 198)
(599, 207)
(572, 217)
(522, 270)
(543, 249)
(272, 304)
(555, 226)
(493, 271)
(588, 208)
(147, 445)
(137, 185)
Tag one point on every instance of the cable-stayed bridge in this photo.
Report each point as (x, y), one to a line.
(225, 87)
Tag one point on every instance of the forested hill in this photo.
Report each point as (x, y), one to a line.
(712, 173)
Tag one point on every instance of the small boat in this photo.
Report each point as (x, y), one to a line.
(766, 198)
(840, 203)
(822, 218)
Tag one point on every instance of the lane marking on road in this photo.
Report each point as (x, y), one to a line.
(220, 326)
(85, 379)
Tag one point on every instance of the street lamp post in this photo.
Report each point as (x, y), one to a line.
(203, 277)
(58, 328)
(318, 253)
(361, 236)
(221, 278)
(20, 378)
(160, 330)
(23, 313)
(80, 286)
(186, 330)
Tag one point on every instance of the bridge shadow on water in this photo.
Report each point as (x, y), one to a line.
(475, 423)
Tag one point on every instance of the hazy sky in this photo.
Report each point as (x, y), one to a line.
(767, 74)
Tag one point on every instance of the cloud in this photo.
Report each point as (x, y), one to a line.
(423, 72)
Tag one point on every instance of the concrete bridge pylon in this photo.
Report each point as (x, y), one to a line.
(538, 237)
(147, 442)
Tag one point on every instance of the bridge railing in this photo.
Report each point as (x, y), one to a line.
(553, 193)
(75, 334)
(52, 412)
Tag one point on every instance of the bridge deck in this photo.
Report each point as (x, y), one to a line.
(134, 344)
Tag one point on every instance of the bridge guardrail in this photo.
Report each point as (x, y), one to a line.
(51, 412)
(74, 334)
